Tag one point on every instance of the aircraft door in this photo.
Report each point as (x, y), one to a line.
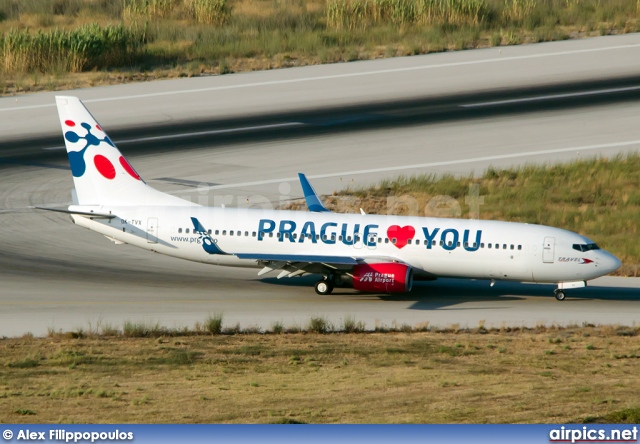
(549, 249)
(152, 230)
(371, 241)
(357, 241)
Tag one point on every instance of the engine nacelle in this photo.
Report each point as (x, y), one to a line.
(386, 278)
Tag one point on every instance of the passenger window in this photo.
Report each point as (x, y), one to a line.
(209, 232)
(253, 234)
(231, 233)
(408, 241)
(504, 246)
(417, 241)
(340, 237)
(270, 234)
(379, 240)
(475, 245)
(295, 235)
(441, 243)
(217, 232)
(386, 240)
(519, 247)
(324, 237)
(458, 244)
(394, 240)
(333, 237)
(512, 246)
(348, 238)
(246, 233)
(481, 244)
(179, 230)
(497, 246)
(186, 231)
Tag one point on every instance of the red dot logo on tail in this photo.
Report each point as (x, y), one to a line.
(76, 158)
(128, 168)
(401, 234)
(104, 166)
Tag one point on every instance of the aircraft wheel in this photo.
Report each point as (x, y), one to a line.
(324, 287)
(336, 280)
(560, 295)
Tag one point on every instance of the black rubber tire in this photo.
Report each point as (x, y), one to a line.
(324, 287)
(560, 295)
(336, 281)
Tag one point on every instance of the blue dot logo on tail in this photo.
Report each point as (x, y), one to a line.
(209, 244)
(76, 158)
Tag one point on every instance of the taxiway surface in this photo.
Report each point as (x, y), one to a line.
(240, 140)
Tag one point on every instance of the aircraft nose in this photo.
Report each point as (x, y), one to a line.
(609, 263)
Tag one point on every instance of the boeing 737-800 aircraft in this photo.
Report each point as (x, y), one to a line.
(371, 253)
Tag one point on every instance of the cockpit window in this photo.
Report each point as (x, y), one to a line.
(585, 247)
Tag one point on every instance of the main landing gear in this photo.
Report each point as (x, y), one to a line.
(558, 293)
(324, 286)
(330, 281)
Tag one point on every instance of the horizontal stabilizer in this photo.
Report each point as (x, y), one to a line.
(79, 213)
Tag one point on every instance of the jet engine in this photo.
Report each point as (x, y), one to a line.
(386, 278)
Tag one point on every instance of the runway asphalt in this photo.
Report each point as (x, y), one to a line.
(241, 139)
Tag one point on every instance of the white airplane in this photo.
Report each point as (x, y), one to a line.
(371, 253)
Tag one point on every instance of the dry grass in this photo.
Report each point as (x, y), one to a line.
(196, 37)
(549, 376)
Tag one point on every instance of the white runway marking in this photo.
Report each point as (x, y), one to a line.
(425, 165)
(552, 96)
(336, 76)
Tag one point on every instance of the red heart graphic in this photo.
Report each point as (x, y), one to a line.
(402, 234)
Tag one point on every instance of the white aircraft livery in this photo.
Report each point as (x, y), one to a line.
(371, 253)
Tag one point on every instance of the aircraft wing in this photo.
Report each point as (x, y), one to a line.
(296, 265)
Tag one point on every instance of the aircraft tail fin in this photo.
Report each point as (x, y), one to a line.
(101, 174)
